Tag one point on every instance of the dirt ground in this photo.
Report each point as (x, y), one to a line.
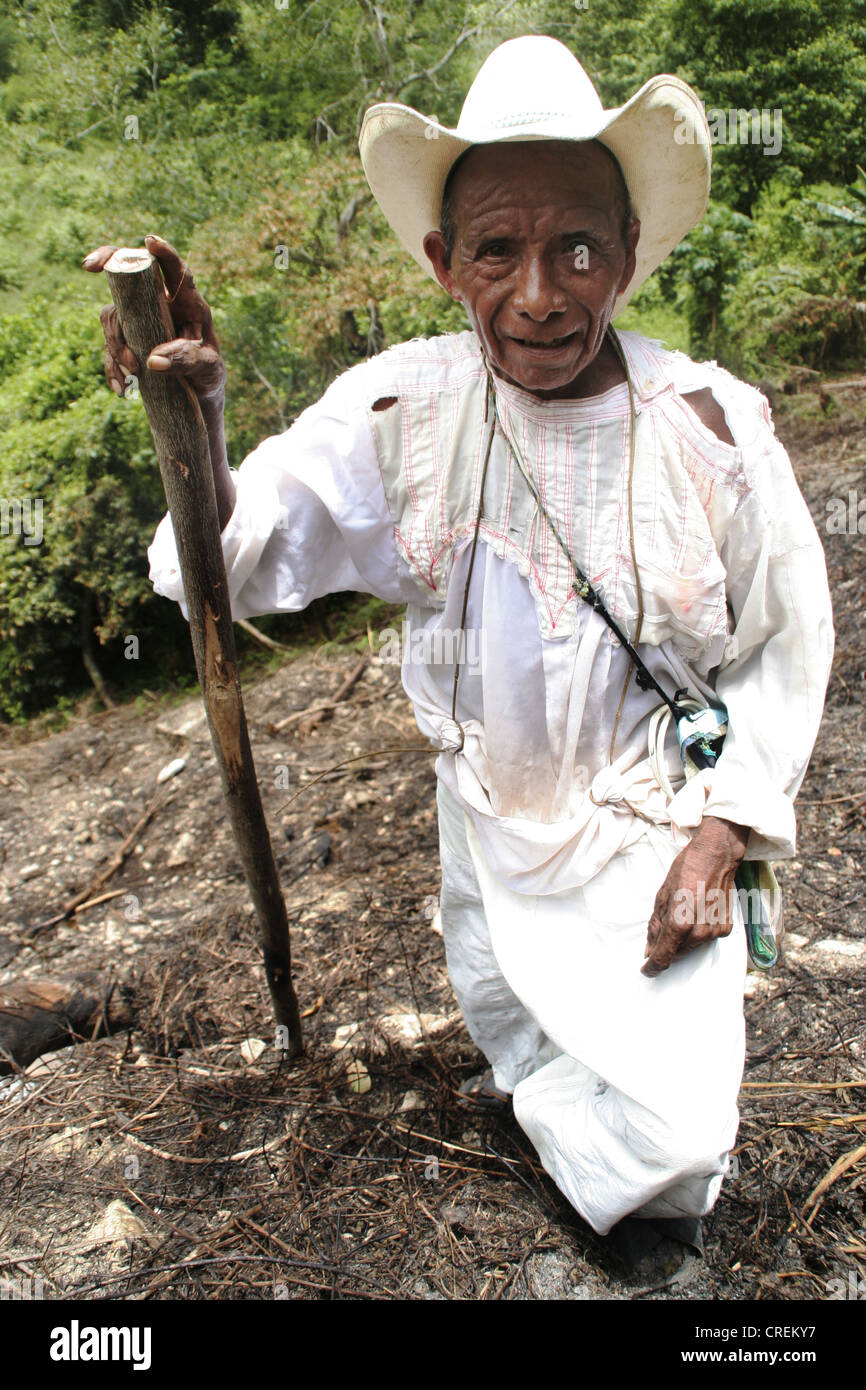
(189, 1159)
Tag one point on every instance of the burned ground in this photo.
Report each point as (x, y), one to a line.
(190, 1159)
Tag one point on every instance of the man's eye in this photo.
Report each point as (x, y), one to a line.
(494, 248)
(582, 253)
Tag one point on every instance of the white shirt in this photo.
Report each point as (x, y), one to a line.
(736, 604)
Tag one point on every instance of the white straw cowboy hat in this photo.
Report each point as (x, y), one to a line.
(534, 88)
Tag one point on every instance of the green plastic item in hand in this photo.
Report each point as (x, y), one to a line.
(761, 901)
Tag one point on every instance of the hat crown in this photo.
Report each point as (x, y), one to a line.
(532, 84)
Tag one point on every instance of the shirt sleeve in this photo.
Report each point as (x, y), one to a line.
(773, 679)
(311, 516)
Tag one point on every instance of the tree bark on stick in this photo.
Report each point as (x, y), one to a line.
(181, 442)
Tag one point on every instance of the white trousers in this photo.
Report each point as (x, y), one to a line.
(627, 1086)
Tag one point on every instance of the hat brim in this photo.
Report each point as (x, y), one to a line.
(660, 138)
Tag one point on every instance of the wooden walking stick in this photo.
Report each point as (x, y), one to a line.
(180, 437)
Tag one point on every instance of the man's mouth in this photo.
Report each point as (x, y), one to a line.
(545, 344)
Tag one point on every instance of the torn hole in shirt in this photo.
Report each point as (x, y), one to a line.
(710, 413)
(384, 402)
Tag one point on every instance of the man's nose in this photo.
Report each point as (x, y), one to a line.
(537, 293)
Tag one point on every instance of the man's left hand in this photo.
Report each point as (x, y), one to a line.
(694, 904)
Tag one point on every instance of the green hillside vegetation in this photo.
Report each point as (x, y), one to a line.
(230, 127)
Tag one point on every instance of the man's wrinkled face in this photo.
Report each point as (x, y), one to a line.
(539, 257)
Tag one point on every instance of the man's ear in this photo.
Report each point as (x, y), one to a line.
(437, 255)
(632, 237)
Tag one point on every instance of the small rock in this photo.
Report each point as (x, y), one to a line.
(413, 1100)
(30, 871)
(51, 1062)
(171, 769)
(344, 1034)
(252, 1049)
(358, 1077)
(182, 851)
(189, 723)
(409, 1029)
(116, 1223)
(321, 849)
(402, 1028)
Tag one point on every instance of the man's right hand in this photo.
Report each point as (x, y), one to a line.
(193, 354)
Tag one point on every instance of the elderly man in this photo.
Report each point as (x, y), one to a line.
(546, 487)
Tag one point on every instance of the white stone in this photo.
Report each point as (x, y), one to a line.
(116, 1223)
(344, 1035)
(410, 1029)
(252, 1049)
(171, 769)
(413, 1100)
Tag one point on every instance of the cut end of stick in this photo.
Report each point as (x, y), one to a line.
(128, 260)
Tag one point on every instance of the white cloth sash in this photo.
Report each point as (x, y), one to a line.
(621, 806)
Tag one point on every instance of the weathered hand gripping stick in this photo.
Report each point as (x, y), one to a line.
(180, 437)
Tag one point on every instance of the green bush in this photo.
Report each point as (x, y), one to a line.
(81, 461)
(798, 297)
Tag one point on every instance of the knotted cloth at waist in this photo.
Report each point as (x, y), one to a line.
(620, 806)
